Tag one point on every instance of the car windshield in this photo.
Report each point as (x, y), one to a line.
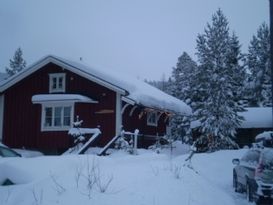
(252, 156)
(267, 158)
(5, 152)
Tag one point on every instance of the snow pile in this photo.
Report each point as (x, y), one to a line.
(147, 178)
(28, 153)
(83, 131)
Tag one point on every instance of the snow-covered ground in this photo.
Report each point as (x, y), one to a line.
(145, 179)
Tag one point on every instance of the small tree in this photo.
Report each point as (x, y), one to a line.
(17, 63)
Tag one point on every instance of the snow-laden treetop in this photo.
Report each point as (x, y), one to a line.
(133, 89)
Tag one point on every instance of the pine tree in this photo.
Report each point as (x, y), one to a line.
(182, 88)
(258, 62)
(217, 83)
(183, 75)
(17, 63)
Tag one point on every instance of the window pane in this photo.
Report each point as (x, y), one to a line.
(57, 116)
(48, 117)
(152, 117)
(54, 83)
(60, 83)
(67, 116)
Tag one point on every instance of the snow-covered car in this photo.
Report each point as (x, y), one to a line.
(253, 175)
(7, 152)
(265, 139)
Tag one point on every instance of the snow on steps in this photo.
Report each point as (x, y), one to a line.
(106, 147)
(76, 150)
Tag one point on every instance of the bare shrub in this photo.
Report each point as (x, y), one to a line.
(38, 196)
(155, 170)
(57, 186)
(101, 183)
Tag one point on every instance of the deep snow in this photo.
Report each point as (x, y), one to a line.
(145, 179)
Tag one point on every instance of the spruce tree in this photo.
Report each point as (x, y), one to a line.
(183, 75)
(258, 62)
(182, 88)
(218, 83)
(17, 63)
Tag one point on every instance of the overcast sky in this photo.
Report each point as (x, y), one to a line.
(140, 37)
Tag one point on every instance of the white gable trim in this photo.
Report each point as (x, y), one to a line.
(50, 59)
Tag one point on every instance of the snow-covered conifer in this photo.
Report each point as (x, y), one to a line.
(258, 62)
(17, 63)
(218, 82)
(183, 75)
(182, 88)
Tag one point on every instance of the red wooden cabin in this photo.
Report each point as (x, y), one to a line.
(39, 105)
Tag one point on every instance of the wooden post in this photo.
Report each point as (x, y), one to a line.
(135, 141)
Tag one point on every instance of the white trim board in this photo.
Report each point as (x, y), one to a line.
(118, 114)
(2, 102)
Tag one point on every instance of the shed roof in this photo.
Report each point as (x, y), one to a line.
(257, 117)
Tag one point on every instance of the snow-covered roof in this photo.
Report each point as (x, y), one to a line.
(134, 89)
(257, 117)
(41, 98)
(268, 135)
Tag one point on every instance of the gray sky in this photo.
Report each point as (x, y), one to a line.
(141, 37)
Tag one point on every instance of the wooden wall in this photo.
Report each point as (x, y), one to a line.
(22, 119)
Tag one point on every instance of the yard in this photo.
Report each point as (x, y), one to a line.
(145, 179)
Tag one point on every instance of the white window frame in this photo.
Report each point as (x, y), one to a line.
(57, 89)
(53, 106)
(150, 115)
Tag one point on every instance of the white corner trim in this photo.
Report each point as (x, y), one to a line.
(118, 114)
(2, 102)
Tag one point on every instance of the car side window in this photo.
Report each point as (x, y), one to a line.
(7, 153)
(252, 156)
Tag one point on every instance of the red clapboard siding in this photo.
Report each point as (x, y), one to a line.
(22, 119)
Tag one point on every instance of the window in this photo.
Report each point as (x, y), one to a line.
(152, 118)
(57, 82)
(57, 117)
